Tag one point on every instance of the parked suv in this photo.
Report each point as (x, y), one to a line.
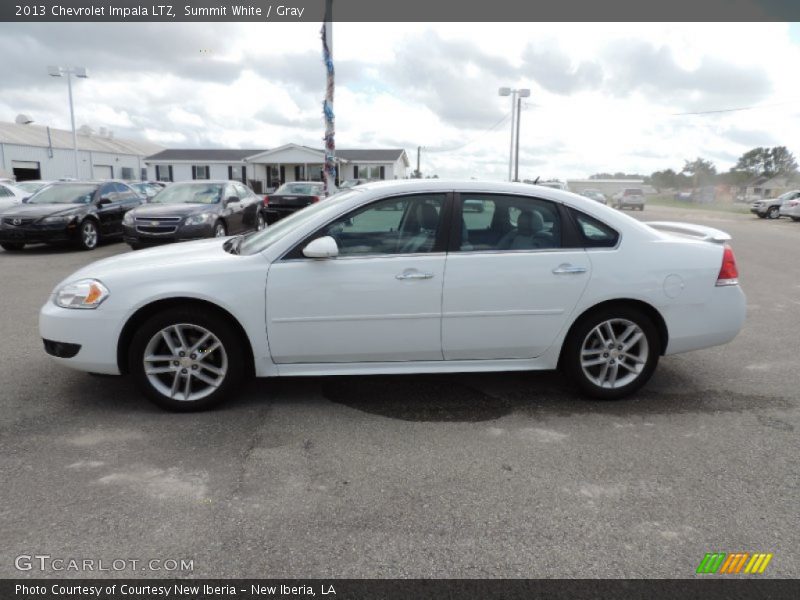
(770, 208)
(629, 198)
(192, 210)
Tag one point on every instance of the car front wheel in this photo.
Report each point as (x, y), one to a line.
(186, 360)
(774, 212)
(219, 229)
(611, 353)
(260, 222)
(88, 236)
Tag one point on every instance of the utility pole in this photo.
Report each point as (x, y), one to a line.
(516, 151)
(327, 105)
(516, 104)
(419, 151)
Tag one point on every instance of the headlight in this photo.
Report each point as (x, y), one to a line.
(85, 293)
(59, 219)
(198, 219)
(128, 219)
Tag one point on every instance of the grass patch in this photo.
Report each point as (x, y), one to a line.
(729, 207)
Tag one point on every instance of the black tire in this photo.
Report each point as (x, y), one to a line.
(795, 219)
(135, 246)
(579, 335)
(231, 346)
(641, 207)
(88, 235)
(261, 222)
(12, 246)
(219, 229)
(774, 212)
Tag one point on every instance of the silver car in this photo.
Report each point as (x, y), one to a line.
(770, 208)
(629, 198)
(791, 208)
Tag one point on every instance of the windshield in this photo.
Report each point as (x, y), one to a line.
(786, 196)
(145, 188)
(30, 186)
(309, 189)
(189, 193)
(260, 241)
(64, 194)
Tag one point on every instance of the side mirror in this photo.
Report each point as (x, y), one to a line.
(25, 199)
(232, 199)
(323, 247)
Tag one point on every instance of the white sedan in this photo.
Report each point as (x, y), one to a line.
(11, 195)
(394, 277)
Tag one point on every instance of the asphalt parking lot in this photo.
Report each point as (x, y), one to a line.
(480, 475)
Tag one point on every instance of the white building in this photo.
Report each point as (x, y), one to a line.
(37, 152)
(264, 169)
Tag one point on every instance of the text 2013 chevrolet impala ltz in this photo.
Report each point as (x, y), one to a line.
(394, 277)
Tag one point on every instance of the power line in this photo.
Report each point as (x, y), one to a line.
(475, 139)
(728, 110)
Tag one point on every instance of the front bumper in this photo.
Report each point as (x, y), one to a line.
(39, 234)
(183, 233)
(95, 332)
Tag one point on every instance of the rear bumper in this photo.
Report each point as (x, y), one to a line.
(712, 323)
(275, 213)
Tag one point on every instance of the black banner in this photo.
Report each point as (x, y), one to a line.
(407, 10)
(408, 589)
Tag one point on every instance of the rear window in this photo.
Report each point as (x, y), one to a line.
(594, 233)
(633, 192)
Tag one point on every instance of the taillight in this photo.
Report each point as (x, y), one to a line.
(266, 200)
(314, 199)
(728, 273)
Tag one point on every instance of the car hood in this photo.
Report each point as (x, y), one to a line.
(43, 210)
(172, 210)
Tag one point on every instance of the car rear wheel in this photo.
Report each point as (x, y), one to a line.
(11, 246)
(774, 212)
(612, 352)
(795, 219)
(186, 360)
(219, 229)
(88, 236)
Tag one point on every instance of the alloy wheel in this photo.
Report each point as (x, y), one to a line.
(89, 235)
(185, 362)
(614, 353)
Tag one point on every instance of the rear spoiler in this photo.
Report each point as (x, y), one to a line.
(708, 234)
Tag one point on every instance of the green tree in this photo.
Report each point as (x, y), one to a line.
(702, 172)
(767, 161)
(783, 162)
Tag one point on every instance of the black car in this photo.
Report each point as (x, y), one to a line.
(192, 210)
(77, 212)
(291, 197)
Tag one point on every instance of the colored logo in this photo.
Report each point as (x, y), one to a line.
(733, 563)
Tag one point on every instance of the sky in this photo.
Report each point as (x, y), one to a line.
(605, 97)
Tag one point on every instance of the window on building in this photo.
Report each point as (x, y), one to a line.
(237, 173)
(200, 172)
(127, 173)
(143, 175)
(299, 172)
(164, 172)
(369, 172)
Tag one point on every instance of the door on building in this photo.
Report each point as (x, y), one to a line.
(26, 170)
(103, 172)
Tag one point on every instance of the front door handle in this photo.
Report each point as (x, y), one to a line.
(568, 269)
(413, 274)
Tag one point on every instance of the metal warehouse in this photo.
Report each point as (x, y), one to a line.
(30, 151)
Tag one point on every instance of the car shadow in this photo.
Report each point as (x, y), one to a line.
(57, 249)
(461, 397)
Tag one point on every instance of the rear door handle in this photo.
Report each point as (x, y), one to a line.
(413, 274)
(568, 269)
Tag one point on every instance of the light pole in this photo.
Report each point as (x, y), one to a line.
(516, 101)
(83, 74)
